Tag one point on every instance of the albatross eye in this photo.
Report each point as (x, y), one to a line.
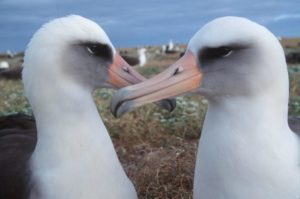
(99, 50)
(223, 51)
(215, 53)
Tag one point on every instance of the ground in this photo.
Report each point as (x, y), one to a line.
(156, 148)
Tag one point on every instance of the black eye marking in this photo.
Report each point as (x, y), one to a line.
(99, 50)
(215, 53)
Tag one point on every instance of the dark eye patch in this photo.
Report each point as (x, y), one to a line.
(207, 54)
(99, 50)
(214, 53)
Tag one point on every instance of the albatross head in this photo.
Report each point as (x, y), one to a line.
(75, 53)
(230, 57)
(77, 50)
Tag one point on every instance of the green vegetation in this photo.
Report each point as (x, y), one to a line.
(156, 148)
(294, 104)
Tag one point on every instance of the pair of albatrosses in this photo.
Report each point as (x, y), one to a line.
(246, 149)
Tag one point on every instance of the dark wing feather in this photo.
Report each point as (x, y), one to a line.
(17, 142)
(131, 60)
(294, 123)
(11, 73)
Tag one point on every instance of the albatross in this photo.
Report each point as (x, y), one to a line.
(4, 65)
(73, 157)
(247, 149)
(140, 59)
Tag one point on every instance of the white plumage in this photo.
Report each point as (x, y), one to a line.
(74, 157)
(142, 57)
(247, 149)
(4, 65)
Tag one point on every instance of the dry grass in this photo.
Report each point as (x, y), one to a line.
(156, 148)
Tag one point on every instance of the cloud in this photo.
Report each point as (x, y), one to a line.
(270, 19)
(286, 17)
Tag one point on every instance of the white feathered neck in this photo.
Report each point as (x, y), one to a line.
(74, 156)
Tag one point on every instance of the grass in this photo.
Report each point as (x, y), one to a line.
(156, 148)
(294, 104)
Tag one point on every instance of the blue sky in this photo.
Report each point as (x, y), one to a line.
(143, 22)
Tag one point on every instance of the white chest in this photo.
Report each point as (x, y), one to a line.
(235, 162)
(75, 158)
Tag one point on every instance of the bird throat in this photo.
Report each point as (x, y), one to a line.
(74, 152)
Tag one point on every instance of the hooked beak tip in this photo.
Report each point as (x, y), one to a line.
(116, 103)
(168, 104)
(128, 106)
(125, 107)
(119, 104)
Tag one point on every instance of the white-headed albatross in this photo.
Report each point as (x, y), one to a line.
(140, 59)
(74, 157)
(247, 149)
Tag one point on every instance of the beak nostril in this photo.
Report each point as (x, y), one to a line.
(126, 69)
(178, 70)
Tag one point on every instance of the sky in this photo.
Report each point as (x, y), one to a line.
(131, 23)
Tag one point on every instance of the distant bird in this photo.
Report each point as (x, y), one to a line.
(4, 65)
(74, 157)
(139, 60)
(11, 73)
(247, 149)
(10, 54)
(170, 46)
(163, 49)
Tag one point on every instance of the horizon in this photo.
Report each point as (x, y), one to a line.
(156, 24)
